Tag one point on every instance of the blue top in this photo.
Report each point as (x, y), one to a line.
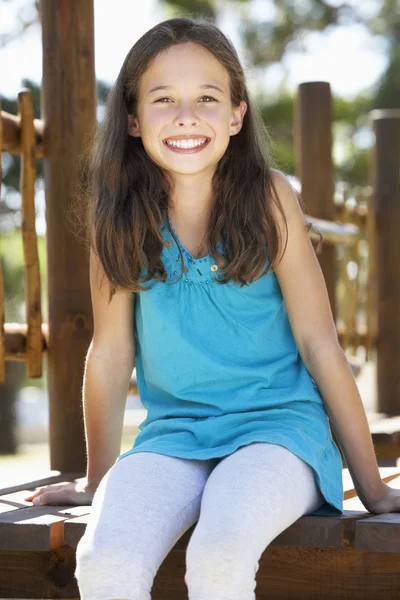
(218, 367)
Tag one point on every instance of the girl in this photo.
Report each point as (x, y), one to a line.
(213, 287)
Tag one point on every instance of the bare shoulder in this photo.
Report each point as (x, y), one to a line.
(288, 196)
(292, 215)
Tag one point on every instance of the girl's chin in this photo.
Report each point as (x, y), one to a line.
(190, 170)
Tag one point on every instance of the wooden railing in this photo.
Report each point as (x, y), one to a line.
(18, 134)
(353, 235)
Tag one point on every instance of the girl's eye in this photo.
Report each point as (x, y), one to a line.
(213, 99)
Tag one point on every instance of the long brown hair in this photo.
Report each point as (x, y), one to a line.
(126, 194)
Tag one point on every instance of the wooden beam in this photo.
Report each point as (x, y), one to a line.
(69, 114)
(29, 238)
(15, 341)
(386, 184)
(33, 574)
(314, 166)
(334, 232)
(11, 141)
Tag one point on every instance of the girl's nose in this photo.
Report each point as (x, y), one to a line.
(186, 117)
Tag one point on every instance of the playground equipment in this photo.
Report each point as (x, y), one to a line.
(37, 544)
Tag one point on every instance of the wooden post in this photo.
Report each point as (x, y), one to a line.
(69, 115)
(34, 341)
(314, 166)
(386, 184)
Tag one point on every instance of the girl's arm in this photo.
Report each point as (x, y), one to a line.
(331, 371)
(109, 365)
(307, 302)
(105, 389)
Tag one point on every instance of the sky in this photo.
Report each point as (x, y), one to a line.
(348, 57)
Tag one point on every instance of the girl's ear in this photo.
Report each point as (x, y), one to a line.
(237, 117)
(133, 126)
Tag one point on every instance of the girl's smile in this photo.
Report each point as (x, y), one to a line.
(190, 144)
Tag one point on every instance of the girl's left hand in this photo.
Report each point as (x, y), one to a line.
(388, 502)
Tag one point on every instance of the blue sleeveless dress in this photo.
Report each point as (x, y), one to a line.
(217, 367)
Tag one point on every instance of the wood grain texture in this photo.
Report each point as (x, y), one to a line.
(386, 185)
(69, 114)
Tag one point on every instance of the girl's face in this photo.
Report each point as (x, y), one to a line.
(194, 103)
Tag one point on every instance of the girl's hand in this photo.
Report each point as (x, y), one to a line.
(388, 502)
(76, 492)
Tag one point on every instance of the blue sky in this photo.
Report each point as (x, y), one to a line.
(348, 57)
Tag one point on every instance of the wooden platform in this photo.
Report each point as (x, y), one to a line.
(385, 433)
(353, 556)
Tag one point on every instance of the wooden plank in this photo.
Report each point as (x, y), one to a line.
(24, 526)
(75, 528)
(328, 574)
(385, 425)
(380, 533)
(310, 530)
(35, 528)
(313, 531)
(42, 480)
(386, 451)
(48, 574)
(301, 574)
(321, 532)
(16, 500)
(284, 573)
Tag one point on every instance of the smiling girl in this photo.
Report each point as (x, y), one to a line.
(212, 288)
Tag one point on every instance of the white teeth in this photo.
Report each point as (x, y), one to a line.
(186, 143)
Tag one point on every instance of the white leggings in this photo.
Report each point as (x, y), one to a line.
(146, 501)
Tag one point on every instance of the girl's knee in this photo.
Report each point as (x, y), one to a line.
(222, 563)
(104, 569)
(95, 563)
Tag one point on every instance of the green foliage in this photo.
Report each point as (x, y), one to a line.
(388, 92)
(12, 262)
(205, 8)
(350, 110)
(354, 170)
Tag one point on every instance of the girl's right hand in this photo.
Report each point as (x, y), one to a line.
(76, 492)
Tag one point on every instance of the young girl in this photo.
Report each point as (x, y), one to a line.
(213, 286)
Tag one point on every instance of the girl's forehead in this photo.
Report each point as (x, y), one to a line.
(188, 64)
